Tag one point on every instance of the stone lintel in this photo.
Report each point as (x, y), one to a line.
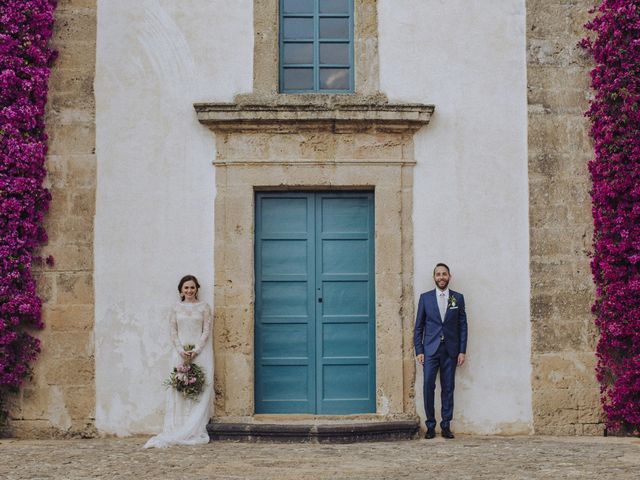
(336, 117)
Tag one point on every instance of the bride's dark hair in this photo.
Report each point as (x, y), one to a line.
(184, 280)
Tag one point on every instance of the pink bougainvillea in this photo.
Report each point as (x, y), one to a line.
(25, 30)
(615, 172)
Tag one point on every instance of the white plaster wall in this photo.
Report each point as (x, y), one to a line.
(471, 190)
(155, 193)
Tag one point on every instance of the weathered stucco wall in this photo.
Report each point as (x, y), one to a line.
(470, 194)
(154, 208)
(565, 392)
(60, 399)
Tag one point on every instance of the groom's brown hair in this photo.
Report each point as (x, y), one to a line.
(441, 265)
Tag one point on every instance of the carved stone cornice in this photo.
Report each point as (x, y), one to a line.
(334, 116)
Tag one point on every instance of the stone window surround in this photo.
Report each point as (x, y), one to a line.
(266, 48)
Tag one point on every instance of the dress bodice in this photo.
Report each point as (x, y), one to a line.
(190, 324)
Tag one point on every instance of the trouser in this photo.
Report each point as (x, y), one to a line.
(440, 361)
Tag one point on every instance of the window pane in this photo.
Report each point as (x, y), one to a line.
(298, 79)
(298, 28)
(298, 6)
(334, 28)
(334, 53)
(334, 6)
(334, 79)
(298, 53)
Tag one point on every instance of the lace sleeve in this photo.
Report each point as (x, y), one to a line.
(174, 331)
(206, 329)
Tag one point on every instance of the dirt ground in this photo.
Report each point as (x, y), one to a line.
(465, 457)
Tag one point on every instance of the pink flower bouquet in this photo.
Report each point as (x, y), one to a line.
(187, 378)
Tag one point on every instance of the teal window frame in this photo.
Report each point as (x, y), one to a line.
(315, 41)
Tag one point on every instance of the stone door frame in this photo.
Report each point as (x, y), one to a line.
(236, 184)
(270, 141)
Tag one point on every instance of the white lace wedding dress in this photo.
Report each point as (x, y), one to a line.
(185, 420)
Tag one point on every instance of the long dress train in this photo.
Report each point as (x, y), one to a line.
(185, 420)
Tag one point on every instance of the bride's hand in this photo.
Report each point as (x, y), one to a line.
(185, 355)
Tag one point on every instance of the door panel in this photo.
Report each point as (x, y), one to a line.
(284, 257)
(315, 318)
(285, 304)
(345, 273)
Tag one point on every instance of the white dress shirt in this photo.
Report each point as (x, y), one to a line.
(444, 292)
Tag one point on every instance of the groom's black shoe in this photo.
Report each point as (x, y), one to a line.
(446, 433)
(431, 433)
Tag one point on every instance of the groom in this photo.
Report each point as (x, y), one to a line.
(440, 341)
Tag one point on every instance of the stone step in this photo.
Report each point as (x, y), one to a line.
(330, 431)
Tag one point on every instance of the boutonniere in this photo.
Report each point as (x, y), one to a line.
(452, 302)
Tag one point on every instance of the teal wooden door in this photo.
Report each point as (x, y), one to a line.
(315, 309)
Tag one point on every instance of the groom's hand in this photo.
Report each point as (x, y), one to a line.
(461, 358)
(420, 358)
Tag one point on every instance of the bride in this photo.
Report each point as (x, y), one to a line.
(185, 420)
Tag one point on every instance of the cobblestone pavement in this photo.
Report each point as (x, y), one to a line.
(465, 457)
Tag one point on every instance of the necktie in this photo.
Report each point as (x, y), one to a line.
(442, 305)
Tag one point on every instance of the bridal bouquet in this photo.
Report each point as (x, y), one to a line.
(188, 378)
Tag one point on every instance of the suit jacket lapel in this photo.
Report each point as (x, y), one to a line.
(433, 305)
(446, 315)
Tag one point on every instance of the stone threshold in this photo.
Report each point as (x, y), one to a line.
(315, 430)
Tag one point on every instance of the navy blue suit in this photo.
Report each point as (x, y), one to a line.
(440, 342)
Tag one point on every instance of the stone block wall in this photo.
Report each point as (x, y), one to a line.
(565, 391)
(60, 400)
